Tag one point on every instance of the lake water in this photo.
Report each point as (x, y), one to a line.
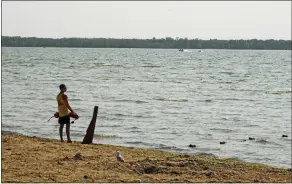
(155, 98)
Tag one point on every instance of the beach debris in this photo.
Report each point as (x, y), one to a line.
(192, 145)
(210, 174)
(51, 178)
(77, 156)
(151, 169)
(223, 142)
(120, 158)
(284, 135)
(66, 158)
(169, 164)
(251, 138)
(181, 164)
(85, 177)
(147, 159)
(175, 172)
(59, 163)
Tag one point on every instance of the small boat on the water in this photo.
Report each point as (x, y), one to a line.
(181, 50)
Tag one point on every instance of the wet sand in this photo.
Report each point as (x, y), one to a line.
(27, 159)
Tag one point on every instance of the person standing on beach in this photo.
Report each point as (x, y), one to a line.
(63, 110)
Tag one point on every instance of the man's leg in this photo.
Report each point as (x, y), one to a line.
(61, 132)
(68, 133)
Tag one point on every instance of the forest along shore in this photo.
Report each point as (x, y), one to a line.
(155, 43)
(32, 159)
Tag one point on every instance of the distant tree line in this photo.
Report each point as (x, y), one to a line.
(164, 43)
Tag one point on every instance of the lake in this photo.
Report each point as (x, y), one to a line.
(156, 98)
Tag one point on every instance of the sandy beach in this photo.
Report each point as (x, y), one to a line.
(32, 159)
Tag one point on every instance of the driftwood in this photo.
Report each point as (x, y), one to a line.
(90, 130)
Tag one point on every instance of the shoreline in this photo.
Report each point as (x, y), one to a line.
(143, 48)
(34, 159)
(176, 152)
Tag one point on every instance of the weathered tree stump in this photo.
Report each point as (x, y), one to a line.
(90, 130)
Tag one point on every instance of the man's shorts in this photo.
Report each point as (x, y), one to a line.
(64, 120)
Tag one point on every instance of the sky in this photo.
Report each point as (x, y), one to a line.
(142, 19)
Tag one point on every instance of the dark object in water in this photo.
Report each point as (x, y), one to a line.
(181, 50)
(284, 135)
(223, 142)
(90, 130)
(251, 138)
(192, 146)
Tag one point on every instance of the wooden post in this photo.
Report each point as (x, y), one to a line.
(90, 130)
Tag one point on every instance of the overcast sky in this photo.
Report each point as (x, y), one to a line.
(204, 20)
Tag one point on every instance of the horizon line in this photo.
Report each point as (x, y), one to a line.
(143, 38)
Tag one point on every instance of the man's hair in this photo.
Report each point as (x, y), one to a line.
(62, 86)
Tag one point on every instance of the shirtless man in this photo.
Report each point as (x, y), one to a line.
(64, 114)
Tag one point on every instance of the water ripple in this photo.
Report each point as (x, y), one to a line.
(165, 98)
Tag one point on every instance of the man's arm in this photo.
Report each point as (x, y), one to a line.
(65, 98)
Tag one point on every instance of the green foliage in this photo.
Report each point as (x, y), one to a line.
(165, 43)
